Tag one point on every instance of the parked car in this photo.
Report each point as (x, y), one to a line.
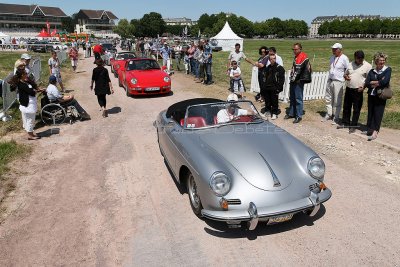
(143, 76)
(119, 60)
(238, 168)
(57, 46)
(41, 46)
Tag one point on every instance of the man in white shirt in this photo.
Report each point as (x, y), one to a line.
(53, 94)
(54, 69)
(272, 51)
(237, 56)
(334, 88)
(231, 112)
(355, 76)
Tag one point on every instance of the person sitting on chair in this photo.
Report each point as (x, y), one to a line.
(54, 95)
(231, 112)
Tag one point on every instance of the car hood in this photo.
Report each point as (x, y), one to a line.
(268, 161)
(146, 77)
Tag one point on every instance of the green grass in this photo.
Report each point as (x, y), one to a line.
(9, 151)
(319, 52)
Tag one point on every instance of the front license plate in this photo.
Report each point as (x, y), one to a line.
(151, 89)
(279, 219)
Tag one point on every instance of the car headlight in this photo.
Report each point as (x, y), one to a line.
(316, 168)
(117, 66)
(220, 183)
(167, 79)
(133, 81)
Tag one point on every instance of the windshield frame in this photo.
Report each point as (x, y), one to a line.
(232, 122)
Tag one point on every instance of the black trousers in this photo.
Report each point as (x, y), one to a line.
(97, 56)
(376, 108)
(102, 100)
(271, 101)
(352, 99)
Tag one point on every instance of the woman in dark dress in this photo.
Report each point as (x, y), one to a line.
(377, 79)
(103, 85)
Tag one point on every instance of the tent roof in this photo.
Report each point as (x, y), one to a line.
(43, 33)
(226, 33)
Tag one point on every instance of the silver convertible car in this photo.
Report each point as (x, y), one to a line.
(237, 167)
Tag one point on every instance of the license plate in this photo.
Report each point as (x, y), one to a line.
(279, 219)
(150, 89)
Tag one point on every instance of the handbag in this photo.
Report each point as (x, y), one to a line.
(385, 93)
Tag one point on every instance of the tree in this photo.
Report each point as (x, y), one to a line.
(68, 23)
(324, 28)
(124, 29)
(151, 25)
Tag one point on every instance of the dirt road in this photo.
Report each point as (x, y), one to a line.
(97, 193)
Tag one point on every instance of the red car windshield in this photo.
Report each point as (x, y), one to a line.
(145, 64)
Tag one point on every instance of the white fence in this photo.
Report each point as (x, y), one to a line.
(313, 90)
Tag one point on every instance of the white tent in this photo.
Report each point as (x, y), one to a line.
(3, 35)
(227, 39)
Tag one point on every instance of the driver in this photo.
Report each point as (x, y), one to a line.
(231, 112)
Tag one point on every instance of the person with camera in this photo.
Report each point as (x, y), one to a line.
(378, 80)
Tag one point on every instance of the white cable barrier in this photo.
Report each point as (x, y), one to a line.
(313, 90)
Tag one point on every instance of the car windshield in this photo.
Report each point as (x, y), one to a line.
(107, 46)
(219, 114)
(145, 64)
(125, 56)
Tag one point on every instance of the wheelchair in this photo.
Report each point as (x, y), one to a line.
(55, 113)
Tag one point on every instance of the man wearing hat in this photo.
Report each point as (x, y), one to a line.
(334, 87)
(27, 59)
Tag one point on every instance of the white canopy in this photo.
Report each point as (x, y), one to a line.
(227, 39)
(3, 35)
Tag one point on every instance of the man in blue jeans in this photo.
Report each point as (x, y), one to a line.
(208, 62)
(299, 75)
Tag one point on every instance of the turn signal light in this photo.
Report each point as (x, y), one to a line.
(322, 186)
(223, 203)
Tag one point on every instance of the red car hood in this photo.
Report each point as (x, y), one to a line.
(147, 78)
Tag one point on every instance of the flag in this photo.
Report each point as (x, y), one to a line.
(199, 34)
(185, 31)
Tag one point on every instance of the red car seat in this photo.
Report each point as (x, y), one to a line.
(194, 122)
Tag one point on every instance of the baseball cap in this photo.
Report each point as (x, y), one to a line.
(232, 97)
(25, 56)
(337, 46)
(52, 78)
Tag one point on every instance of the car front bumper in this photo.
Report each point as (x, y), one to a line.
(143, 91)
(255, 214)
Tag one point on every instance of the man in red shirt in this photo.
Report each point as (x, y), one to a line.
(98, 51)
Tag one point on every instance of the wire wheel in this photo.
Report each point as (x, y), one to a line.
(53, 114)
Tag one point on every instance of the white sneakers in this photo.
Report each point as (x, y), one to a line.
(274, 117)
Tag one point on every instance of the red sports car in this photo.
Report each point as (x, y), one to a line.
(143, 76)
(119, 61)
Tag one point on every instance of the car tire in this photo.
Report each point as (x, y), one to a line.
(119, 83)
(194, 198)
(127, 92)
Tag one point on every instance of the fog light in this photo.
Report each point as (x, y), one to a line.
(223, 203)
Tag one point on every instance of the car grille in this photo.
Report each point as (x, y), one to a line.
(234, 201)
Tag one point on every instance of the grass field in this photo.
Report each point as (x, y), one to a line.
(319, 52)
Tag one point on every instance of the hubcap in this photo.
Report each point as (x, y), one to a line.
(194, 198)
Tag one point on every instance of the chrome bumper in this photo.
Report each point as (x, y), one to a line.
(253, 214)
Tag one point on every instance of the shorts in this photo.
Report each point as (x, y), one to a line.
(74, 62)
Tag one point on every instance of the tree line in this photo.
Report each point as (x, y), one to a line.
(358, 27)
(152, 25)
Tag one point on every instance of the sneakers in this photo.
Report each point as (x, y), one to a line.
(274, 117)
(335, 122)
(288, 117)
(297, 120)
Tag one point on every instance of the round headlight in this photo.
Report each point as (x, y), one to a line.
(220, 183)
(316, 168)
(133, 81)
(167, 79)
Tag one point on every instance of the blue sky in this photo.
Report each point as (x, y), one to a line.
(255, 10)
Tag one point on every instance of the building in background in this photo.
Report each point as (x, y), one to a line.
(318, 21)
(97, 22)
(28, 20)
(180, 21)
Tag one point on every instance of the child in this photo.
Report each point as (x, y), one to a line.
(186, 61)
(236, 82)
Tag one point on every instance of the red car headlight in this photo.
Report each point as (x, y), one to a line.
(167, 79)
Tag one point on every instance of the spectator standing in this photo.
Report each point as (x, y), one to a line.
(103, 85)
(84, 49)
(27, 90)
(147, 49)
(377, 79)
(237, 56)
(165, 54)
(55, 69)
(272, 51)
(199, 56)
(73, 56)
(299, 75)
(98, 51)
(274, 80)
(208, 62)
(261, 64)
(178, 55)
(186, 61)
(191, 51)
(334, 87)
(236, 82)
(89, 48)
(355, 76)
